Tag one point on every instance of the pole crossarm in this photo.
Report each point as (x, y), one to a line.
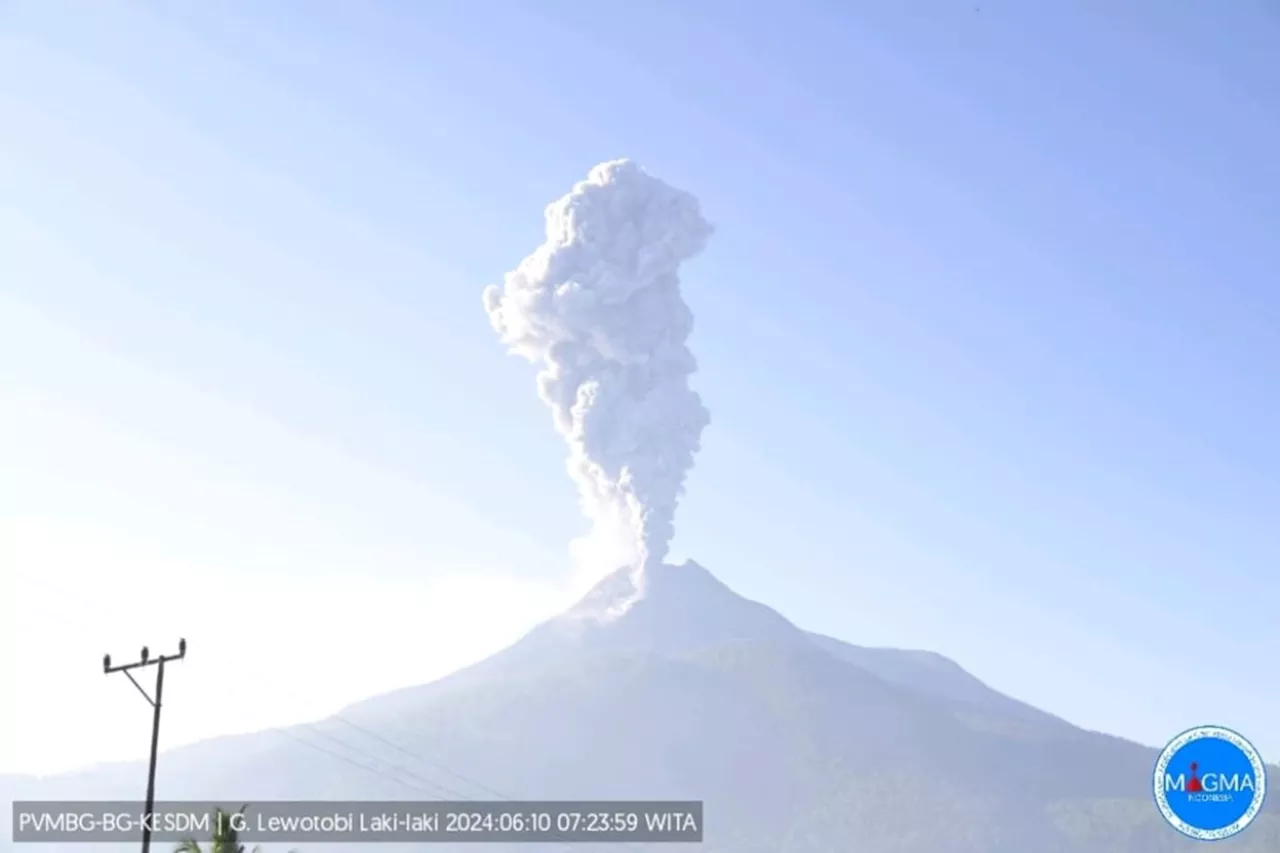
(144, 659)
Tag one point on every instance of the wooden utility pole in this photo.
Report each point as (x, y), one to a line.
(147, 660)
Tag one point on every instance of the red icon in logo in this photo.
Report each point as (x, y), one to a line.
(1193, 785)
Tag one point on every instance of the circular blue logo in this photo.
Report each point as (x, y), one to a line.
(1210, 783)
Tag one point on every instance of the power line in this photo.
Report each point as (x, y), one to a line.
(432, 788)
(375, 771)
(398, 748)
(438, 788)
(95, 608)
(351, 761)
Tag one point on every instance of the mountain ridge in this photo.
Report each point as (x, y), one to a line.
(794, 740)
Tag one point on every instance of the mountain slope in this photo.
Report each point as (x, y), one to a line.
(933, 675)
(795, 742)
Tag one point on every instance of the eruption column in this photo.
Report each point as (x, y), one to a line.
(598, 307)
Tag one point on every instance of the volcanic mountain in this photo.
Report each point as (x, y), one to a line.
(678, 688)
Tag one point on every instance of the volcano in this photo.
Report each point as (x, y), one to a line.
(671, 686)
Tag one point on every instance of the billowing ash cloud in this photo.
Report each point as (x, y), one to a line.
(598, 306)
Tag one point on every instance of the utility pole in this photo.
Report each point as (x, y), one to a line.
(147, 660)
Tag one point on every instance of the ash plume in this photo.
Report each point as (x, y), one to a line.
(598, 307)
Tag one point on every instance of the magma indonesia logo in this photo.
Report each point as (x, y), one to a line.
(1210, 783)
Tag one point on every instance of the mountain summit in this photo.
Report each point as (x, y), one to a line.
(662, 609)
(795, 742)
(676, 610)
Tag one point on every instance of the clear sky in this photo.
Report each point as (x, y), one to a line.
(988, 332)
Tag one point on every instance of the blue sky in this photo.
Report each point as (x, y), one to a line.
(987, 332)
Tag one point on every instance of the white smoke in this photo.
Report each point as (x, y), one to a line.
(598, 306)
